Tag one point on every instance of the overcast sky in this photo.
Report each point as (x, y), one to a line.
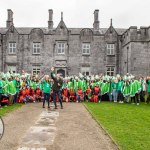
(77, 13)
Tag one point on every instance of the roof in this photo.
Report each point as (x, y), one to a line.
(27, 30)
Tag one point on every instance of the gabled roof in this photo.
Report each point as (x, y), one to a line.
(27, 30)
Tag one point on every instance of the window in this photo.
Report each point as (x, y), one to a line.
(86, 48)
(110, 49)
(36, 48)
(61, 48)
(36, 70)
(12, 48)
(110, 71)
(11, 69)
(85, 71)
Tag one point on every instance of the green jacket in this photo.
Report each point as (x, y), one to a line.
(148, 87)
(126, 89)
(46, 86)
(5, 87)
(11, 88)
(1, 87)
(114, 85)
(120, 85)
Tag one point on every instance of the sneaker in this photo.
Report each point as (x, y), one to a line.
(62, 107)
(133, 103)
(43, 106)
(138, 104)
(48, 106)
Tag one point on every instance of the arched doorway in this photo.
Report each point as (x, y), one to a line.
(61, 71)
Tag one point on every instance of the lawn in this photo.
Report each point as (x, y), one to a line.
(128, 124)
(8, 109)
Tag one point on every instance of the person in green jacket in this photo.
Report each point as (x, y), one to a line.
(135, 90)
(1, 91)
(11, 90)
(46, 90)
(114, 90)
(119, 89)
(148, 89)
(126, 90)
(110, 90)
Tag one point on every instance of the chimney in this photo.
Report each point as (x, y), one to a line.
(10, 18)
(96, 20)
(50, 22)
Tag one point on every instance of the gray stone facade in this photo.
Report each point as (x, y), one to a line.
(131, 48)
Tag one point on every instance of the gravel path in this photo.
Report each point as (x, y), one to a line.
(17, 123)
(73, 129)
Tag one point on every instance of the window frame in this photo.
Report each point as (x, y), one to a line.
(36, 69)
(13, 68)
(110, 72)
(60, 48)
(86, 71)
(35, 47)
(86, 48)
(12, 48)
(110, 49)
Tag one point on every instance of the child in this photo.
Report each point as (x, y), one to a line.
(72, 95)
(88, 94)
(38, 94)
(79, 95)
(22, 96)
(65, 94)
(96, 92)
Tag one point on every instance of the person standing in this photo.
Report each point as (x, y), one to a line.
(56, 87)
(1, 91)
(46, 90)
(148, 89)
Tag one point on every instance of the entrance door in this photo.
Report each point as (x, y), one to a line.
(61, 71)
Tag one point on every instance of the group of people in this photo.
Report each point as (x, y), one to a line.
(16, 88)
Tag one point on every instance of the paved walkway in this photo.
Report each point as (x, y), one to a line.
(34, 128)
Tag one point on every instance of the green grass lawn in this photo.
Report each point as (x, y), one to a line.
(128, 124)
(8, 109)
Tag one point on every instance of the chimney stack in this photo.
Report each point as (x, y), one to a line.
(50, 22)
(96, 20)
(10, 18)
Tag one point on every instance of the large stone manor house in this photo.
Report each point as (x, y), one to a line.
(72, 50)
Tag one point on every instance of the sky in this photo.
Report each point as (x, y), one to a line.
(77, 13)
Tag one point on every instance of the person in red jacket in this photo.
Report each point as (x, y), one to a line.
(27, 92)
(22, 96)
(88, 93)
(96, 92)
(65, 94)
(79, 95)
(32, 95)
(38, 94)
(72, 95)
